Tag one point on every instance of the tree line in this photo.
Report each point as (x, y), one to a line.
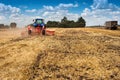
(65, 23)
(12, 25)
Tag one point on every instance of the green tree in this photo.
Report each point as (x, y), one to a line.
(13, 25)
(6, 26)
(52, 24)
(64, 20)
(1, 25)
(81, 22)
(65, 23)
(71, 24)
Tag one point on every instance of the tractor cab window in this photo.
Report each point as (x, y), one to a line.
(39, 21)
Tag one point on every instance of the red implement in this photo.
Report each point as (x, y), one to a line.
(49, 32)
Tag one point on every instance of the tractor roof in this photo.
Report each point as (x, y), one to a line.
(38, 19)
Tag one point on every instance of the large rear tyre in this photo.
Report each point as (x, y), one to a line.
(29, 32)
(43, 32)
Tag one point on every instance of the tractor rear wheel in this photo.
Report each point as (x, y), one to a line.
(43, 32)
(29, 32)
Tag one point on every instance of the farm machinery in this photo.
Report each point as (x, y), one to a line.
(113, 25)
(38, 27)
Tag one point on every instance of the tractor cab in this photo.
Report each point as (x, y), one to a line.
(38, 23)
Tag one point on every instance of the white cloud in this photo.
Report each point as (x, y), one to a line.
(100, 12)
(60, 6)
(8, 9)
(57, 15)
(2, 18)
(67, 5)
(58, 12)
(48, 7)
(31, 11)
(14, 14)
(103, 4)
(99, 4)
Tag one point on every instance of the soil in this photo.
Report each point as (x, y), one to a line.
(71, 54)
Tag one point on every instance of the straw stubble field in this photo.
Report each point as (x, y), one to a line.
(71, 54)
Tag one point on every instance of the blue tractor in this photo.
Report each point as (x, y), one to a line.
(37, 27)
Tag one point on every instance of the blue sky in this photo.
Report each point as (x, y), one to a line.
(95, 12)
